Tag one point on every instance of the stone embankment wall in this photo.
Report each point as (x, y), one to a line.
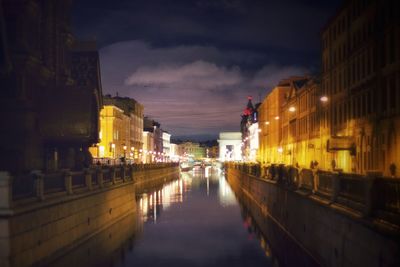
(149, 178)
(332, 234)
(54, 213)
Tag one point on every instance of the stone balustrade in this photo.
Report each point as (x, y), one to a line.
(44, 215)
(372, 195)
(39, 186)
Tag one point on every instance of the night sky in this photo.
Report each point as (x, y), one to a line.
(192, 63)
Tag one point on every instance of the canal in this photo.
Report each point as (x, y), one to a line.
(193, 221)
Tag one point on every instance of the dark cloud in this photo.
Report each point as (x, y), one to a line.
(192, 63)
(247, 24)
(189, 89)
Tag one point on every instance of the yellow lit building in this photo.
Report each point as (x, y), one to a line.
(269, 112)
(361, 76)
(121, 129)
(302, 111)
(114, 134)
(349, 120)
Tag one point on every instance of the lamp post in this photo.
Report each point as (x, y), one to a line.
(113, 150)
(124, 147)
(323, 102)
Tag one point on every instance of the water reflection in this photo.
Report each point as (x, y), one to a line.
(193, 221)
(151, 205)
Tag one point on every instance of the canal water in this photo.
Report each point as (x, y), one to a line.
(193, 221)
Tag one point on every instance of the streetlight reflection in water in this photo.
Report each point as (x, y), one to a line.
(200, 207)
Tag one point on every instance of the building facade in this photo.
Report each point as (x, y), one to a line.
(157, 133)
(121, 131)
(147, 154)
(166, 146)
(249, 130)
(114, 134)
(51, 89)
(302, 143)
(173, 153)
(361, 76)
(192, 150)
(230, 146)
(270, 124)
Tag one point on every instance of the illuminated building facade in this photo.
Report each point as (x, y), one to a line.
(191, 149)
(230, 146)
(166, 145)
(361, 76)
(249, 131)
(147, 155)
(173, 152)
(114, 134)
(300, 118)
(270, 136)
(157, 134)
(253, 142)
(121, 131)
(50, 89)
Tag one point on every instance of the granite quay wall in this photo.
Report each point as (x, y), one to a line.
(335, 218)
(152, 176)
(49, 214)
(107, 248)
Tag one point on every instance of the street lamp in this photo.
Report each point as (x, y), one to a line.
(292, 109)
(124, 147)
(322, 119)
(324, 99)
(113, 150)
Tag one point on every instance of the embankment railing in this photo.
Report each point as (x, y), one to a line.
(39, 185)
(372, 195)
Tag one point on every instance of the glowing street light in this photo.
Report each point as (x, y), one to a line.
(280, 149)
(324, 99)
(267, 122)
(124, 147)
(292, 109)
(277, 118)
